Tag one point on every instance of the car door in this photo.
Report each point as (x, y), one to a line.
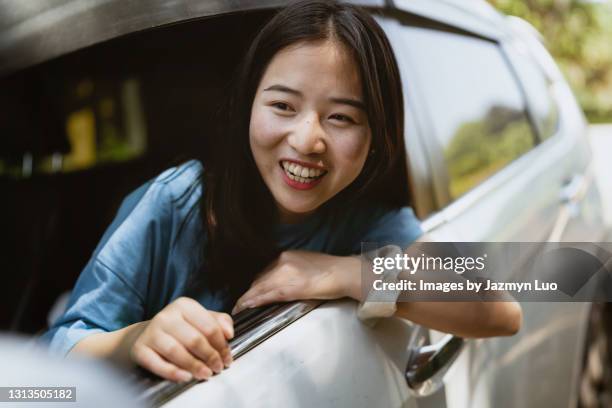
(326, 358)
(499, 177)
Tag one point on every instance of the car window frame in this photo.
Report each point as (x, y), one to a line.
(511, 49)
(421, 187)
(439, 171)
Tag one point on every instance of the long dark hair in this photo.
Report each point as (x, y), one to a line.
(238, 210)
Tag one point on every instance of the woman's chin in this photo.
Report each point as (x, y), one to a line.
(296, 213)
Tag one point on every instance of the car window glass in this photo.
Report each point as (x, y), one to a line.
(477, 110)
(538, 90)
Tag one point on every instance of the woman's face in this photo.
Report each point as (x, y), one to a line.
(309, 132)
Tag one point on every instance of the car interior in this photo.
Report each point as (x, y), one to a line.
(83, 130)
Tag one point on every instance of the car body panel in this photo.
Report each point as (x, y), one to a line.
(474, 16)
(327, 358)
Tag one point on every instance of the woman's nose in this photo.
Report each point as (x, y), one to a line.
(308, 137)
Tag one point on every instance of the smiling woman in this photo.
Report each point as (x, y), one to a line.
(311, 140)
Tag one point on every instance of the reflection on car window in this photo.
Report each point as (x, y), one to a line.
(538, 90)
(478, 112)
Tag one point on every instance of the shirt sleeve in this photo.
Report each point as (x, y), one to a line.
(398, 227)
(110, 293)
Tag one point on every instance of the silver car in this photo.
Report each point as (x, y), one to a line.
(497, 151)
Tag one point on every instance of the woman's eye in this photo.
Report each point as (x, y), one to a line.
(342, 118)
(281, 106)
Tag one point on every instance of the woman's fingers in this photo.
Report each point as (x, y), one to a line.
(226, 322)
(204, 321)
(280, 294)
(255, 291)
(149, 359)
(175, 353)
(227, 325)
(183, 340)
(198, 346)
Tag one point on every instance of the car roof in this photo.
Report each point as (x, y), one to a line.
(35, 31)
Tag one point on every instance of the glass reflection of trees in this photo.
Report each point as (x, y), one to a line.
(478, 109)
(481, 147)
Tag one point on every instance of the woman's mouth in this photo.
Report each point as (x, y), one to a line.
(301, 177)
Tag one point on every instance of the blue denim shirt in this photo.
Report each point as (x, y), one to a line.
(152, 247)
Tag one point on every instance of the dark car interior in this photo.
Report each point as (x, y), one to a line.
(81, 131)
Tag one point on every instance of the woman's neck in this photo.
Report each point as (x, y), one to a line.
(287, 217)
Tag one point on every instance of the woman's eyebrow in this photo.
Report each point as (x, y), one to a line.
(283, 88)
(351, 102)
(345, 101)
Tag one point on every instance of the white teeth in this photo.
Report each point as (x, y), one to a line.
(301, 171)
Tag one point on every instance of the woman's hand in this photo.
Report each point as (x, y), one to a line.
(298, 274)
(183, 341)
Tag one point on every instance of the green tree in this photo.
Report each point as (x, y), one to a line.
(579, 36)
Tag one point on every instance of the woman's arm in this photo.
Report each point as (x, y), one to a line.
(114, 346)
(464, 319)
(312, 275)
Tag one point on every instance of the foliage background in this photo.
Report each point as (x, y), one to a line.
(579, 36)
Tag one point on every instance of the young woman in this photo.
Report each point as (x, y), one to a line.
(309, 163)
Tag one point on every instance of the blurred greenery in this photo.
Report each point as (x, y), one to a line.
(579, 36)
(480, 148)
